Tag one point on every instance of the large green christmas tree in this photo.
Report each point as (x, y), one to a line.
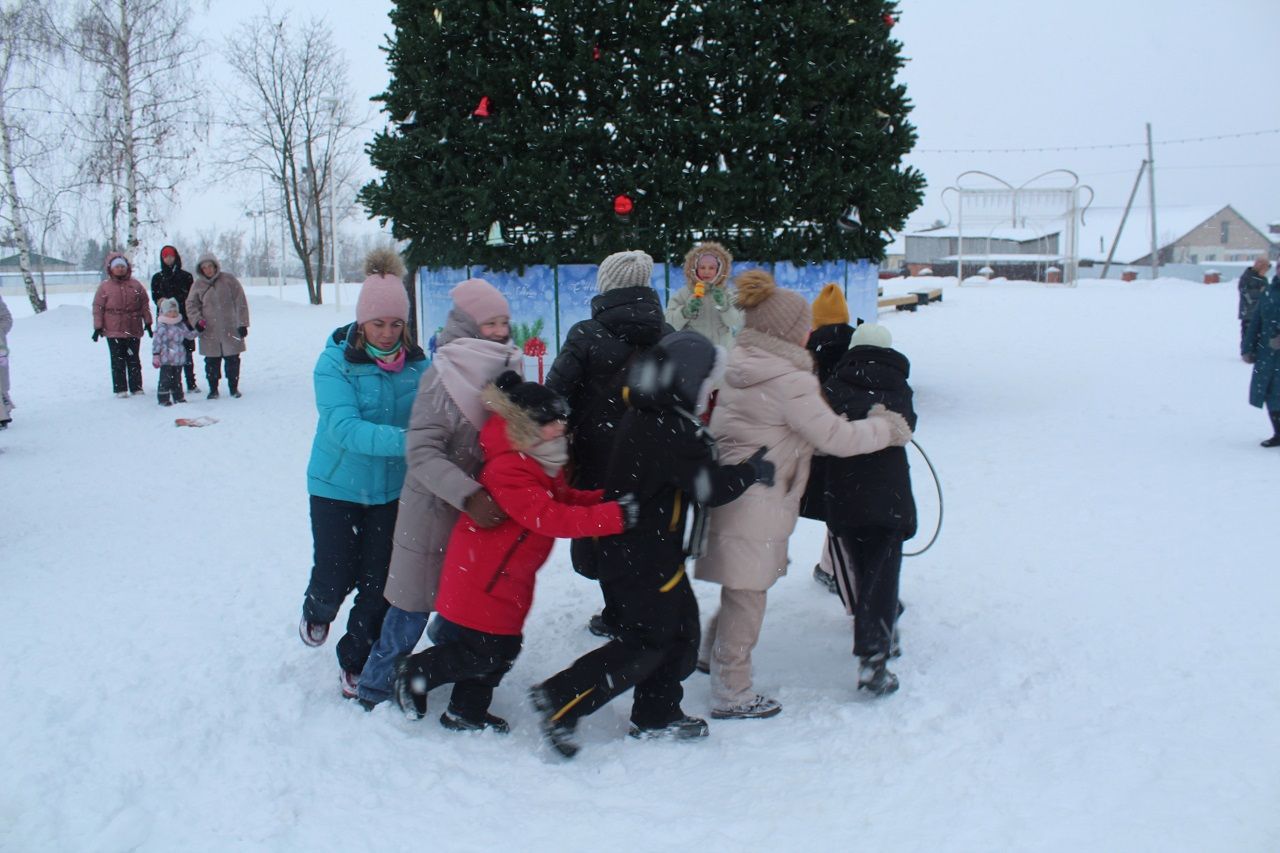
(775, 127)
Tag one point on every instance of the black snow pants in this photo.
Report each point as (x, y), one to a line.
(352, 552)
(474, 662)
(868, 565)
(657, 617)
(213, 371)
(126, 368)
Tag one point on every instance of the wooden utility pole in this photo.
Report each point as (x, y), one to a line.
(1151, 185)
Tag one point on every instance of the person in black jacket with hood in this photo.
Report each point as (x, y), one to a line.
(667, 459)
(173, 282)
(626, 320)
(867, 501)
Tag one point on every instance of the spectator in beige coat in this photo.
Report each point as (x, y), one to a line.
(218, 310)
(769, 397)
(6, 404)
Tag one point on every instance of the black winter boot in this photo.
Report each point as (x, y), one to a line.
(410, 691)
(1274, 441)
(458, 723)
(685, 728)
(875, 677)
(213, 372)
(557, 732)
(233, 375)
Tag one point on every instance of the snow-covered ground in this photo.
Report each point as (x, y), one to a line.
(1090, 650)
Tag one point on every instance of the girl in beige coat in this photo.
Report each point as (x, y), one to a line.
(769, 397)
(705, 304)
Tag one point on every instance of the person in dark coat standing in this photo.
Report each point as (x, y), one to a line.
(867, 501)
(1261, 348)
(667, 459)
(173, 282)
(120, 314)
(1252, 282)
(626, 320)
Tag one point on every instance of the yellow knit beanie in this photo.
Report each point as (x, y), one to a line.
(829, 307)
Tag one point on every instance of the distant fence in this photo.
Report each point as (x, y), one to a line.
(71, 281)
(561, 296)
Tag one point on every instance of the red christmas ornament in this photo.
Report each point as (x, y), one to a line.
(535, 348)
(595, 53)
(889, 20)
(482, 111)
(622, 206)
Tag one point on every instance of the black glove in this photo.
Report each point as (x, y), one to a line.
(148, 328)
(630, 510)
(242, 331)
(762, 467)
(1248, 358)
(97, 333)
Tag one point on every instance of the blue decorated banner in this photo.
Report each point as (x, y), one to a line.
(561, 296)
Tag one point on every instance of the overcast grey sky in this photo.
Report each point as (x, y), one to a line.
(1019, 74)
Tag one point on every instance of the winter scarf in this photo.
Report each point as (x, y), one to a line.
(467, 365)
(552, 454)
(390, 360)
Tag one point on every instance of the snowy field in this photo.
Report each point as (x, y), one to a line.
(1091, 650)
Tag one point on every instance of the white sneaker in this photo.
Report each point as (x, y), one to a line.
(757, 707)
(122, 395)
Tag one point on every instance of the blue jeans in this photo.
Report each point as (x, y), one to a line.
(401, 631)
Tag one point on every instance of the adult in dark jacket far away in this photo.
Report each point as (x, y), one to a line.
(1252, 282)
(173, 282)
(626, 320)
(1261, 348)
(867, 501)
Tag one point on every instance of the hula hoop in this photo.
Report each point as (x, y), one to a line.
(938, 485)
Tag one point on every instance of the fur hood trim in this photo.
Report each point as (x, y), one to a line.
(522, 432)
(708, 248)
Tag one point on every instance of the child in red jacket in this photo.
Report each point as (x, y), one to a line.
(486, 585)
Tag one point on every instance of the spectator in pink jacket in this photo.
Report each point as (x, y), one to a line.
(121, 311)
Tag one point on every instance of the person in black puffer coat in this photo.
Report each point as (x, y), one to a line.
(867, 501)
(173, 282)
(626, 320)
(667, 459)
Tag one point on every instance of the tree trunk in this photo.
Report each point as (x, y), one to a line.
(130, 149)
(38, 302)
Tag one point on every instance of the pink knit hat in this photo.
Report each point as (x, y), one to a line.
(383, 294)
(771, 309)
(480, 300)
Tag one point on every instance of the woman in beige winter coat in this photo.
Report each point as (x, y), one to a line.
(218, 310)
(705, 304)
(769, 397)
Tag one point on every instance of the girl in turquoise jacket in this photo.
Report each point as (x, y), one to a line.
(366, 380)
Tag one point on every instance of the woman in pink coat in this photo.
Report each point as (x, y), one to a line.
(769, 397)
(121, 311)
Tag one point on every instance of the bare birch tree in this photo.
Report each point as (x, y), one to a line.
(26, 40)
(145, 123)
(292, 122)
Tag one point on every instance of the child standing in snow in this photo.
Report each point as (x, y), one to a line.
(704, 304)
(486, 584)
(442, 451)
(169, 351)
(867, 502)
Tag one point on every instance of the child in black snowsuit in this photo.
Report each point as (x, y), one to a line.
(667, 459)
(867, 502)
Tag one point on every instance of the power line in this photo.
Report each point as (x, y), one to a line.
(1099, 147)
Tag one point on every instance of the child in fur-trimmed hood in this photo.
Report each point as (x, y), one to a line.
(487, 581)
(705, 304)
